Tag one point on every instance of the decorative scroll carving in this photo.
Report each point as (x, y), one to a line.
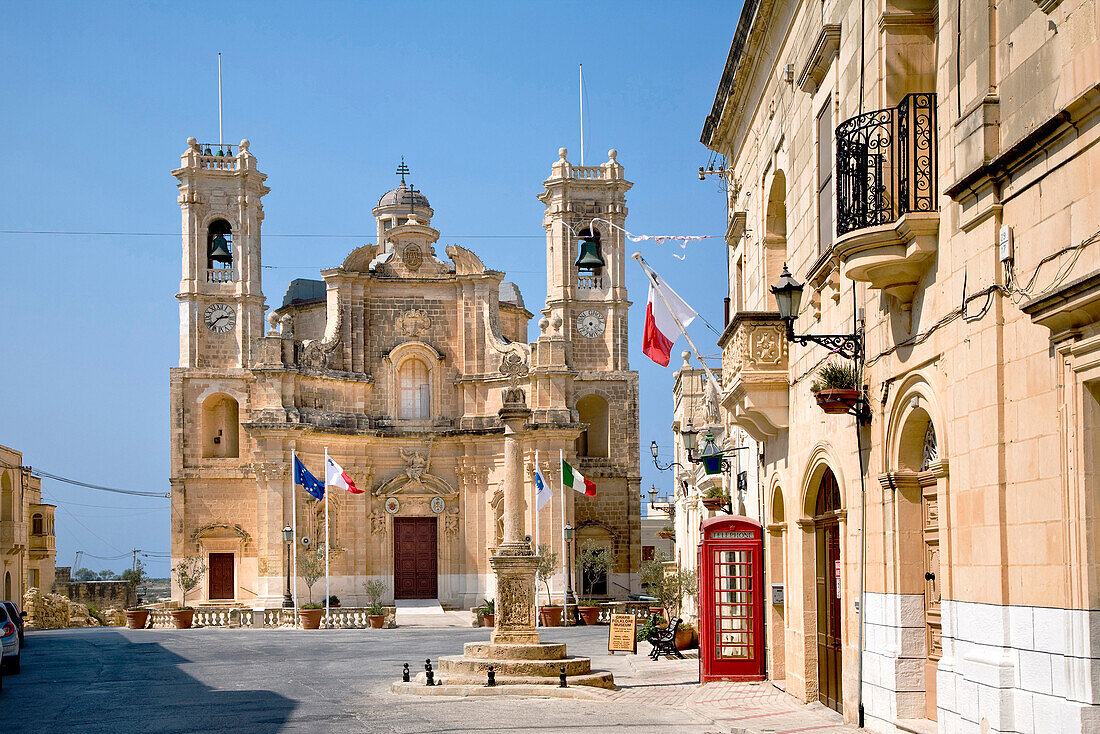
(318, 353)
(205, 531)
(377, 524)
(413, 323)
(450, 524)
(270, 470)
(466, 262)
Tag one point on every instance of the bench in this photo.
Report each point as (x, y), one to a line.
(663, 640)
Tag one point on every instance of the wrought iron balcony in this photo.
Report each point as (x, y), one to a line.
(887, 201)
(886, 164)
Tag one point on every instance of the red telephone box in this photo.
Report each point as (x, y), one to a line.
(731, 600)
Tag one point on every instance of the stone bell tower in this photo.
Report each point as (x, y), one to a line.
(221, 303)
(586, 260)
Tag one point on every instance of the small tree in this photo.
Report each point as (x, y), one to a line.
(548, 564)
(596, 561)
(311, 565)
(136, 575)
(188, 573)
(677, 584)
(375, 589)
(653, 573)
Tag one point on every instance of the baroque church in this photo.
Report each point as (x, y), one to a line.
(395, 362)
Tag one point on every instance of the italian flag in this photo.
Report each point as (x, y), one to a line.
(570, 477)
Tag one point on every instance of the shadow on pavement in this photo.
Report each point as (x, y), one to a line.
(101, 679)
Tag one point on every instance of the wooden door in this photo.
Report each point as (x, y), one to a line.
(220, 576)
(829, 656)
(931, 595)
(414, 558)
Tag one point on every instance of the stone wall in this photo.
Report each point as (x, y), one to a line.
(99, 594)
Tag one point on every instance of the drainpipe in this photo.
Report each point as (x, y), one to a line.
(863, 413)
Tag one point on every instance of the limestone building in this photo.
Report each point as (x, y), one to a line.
(928, 172)
(395, 362)
(27, 542)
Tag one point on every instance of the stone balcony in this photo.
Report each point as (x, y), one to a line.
(755, 384)
(12, 535)
(42, 543)
(887, 205)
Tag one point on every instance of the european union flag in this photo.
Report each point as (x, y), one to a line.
(309, 482)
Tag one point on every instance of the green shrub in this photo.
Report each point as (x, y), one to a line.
(835, 376)
(312, 605)
(488, 607)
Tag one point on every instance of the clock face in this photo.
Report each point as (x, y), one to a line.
(590, 324)
(220, 317)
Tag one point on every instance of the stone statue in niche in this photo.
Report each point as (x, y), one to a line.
(415, 465)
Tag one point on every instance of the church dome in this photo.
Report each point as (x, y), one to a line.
(404, 196)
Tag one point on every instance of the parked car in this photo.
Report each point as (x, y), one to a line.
(9, 641)
(19, 618)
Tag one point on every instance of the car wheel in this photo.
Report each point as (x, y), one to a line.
(13, 664)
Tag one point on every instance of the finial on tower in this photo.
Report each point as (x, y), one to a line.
(562, 152)
(402, 170)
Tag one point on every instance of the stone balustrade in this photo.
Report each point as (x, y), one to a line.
(219, 275)
(587, 172)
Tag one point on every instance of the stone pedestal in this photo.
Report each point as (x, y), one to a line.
(515, 603)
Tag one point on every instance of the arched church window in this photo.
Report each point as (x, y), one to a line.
(36, 524)
(593, 441)
(414, 391)
(219, 245)
(220, 427)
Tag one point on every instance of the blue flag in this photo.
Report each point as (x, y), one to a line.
(309, 482)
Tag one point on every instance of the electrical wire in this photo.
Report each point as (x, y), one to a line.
(57, 478)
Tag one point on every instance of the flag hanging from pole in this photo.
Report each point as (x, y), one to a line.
(543, 493)
(666, 316)
(570, 477)
(335, 476)
(309, 482)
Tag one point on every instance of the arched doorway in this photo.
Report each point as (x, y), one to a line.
(7, 585)
(827, 572)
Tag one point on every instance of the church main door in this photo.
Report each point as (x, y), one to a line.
(220, 576)
(414, 558)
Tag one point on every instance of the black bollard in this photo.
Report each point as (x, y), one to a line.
(561, 679)
(405, 674)
(430, 672)
(492, 677)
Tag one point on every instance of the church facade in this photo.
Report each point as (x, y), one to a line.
(395, 362)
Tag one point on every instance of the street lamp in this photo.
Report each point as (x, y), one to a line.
(569, 598)
(788, 298)
(288, 537)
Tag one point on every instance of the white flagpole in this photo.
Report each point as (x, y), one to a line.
(294, 535)
(649, 271)
(580, 93)
(221, 137)
(564, 547)
(327, 594)
(537, 519)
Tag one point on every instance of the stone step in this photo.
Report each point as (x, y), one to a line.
(477, 667)
(542, 651)
(595, 679)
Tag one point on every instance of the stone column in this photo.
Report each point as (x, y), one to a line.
(514, 564)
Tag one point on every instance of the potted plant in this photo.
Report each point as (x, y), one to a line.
(589, 610)
(486, 613)
(333, 600)
(137, 618)
(375, 612)
(715, 499)
(188, 573)
(667, 532)
(310, 614)
(311, 564)
(836, 387)
(676, 584)
(550, 613)
(596, 562)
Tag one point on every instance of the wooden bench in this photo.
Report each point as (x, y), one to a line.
(663, 640)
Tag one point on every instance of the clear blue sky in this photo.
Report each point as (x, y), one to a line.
(101, 97)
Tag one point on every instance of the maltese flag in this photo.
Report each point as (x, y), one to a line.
(335, 476)
(661, 313)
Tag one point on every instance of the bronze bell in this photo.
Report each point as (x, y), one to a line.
(219, 251)
(589, 257)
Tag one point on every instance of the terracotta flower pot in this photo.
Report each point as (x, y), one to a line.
(488, 620)
(550, 616)
(714, 504)
(666, 534)
(590, 615)
(137, 619)
(377, 621)
(182, 618)
(659, 611)
(311, 618)
(685, 637)
(836, 402)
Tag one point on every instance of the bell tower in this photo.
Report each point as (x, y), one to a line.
(586, 260)
(221, 302)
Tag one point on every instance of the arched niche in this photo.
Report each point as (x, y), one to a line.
(779, 513)
(775, 229)
(594, 534)
(7, 498)
(414, 372)
(595, 438)
(220, 427)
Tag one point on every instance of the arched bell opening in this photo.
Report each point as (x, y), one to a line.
(219, 245)
(594, 440)
(590, 253)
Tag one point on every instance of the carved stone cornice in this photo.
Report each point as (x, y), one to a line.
(270, 470)
(823, 53)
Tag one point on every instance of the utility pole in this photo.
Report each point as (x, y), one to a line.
(133, 565)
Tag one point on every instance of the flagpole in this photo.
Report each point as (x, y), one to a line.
(327, 594)
(661, 295)
(294, 535)
(564, 546)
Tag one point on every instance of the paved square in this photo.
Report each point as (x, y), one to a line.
(117, 680)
